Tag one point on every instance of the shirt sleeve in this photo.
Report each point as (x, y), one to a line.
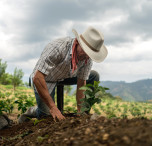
(50, 57)
(84, 71)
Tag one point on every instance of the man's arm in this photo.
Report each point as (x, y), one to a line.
(79, 94)
(39, 82)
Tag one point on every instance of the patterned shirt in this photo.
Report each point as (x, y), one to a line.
(55, 63)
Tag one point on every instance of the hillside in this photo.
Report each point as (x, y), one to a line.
(136, 91)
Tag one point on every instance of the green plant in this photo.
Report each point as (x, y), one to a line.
(145, 110)
(67, 100)
(19, 136)
(101, 107)
(40, 138)
(36, 121)
(2, 102)
(91, 96)
(96, 110)
(110, 112)
(124, 115)
(2, 105)
(6, 103)
(23, 101)
(136, 112)
(70, 109)
(119, 109)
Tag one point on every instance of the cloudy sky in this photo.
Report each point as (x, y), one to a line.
(26, 26)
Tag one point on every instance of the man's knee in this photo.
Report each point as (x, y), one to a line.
(95, 75)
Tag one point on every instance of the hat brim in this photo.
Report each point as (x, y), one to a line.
(95, 56)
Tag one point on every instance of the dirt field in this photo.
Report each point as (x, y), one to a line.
(80, 131)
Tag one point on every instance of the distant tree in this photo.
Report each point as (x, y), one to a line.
(6, 79)
(3, 67)
(17, 77)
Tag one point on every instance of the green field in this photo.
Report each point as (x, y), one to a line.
(18, 101)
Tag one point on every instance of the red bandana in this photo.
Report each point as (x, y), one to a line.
(74, 56)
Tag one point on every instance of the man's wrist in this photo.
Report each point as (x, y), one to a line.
(52, 105)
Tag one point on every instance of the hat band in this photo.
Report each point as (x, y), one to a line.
(88, 44)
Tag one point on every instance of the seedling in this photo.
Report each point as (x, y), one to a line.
(40, 138)
(23, 101)
(20, 135)
(36, 121)
(92, 96)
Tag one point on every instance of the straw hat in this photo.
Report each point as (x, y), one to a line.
(91, 41)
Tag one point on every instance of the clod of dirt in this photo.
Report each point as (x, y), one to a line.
(105, 136)
(126, 139)
(87, 131)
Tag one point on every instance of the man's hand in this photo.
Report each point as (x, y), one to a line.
(56, 114)
(39, 81)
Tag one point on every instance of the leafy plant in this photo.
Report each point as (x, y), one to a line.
(96, 110)
(40, 138)
(36, 121)
(110, 112)
(2, 106)
(101, 107)
(19, 136)
(136, 112)
(124, 115)
(23, 101)
(70, 109)
(91, 96)
(6, 103)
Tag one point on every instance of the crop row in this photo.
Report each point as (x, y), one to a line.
(109, 107)
(12, 100)
(114, 108)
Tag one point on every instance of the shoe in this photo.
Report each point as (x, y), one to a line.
(31, 113)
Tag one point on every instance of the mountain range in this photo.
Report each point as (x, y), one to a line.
(136, 91)
(140, 90)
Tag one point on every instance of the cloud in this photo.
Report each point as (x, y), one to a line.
(138, 50)
(27, 26)
(126, 71)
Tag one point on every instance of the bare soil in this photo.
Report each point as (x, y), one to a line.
(79, 131)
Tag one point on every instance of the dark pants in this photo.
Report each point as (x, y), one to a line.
(94, 76)
(43, 109)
